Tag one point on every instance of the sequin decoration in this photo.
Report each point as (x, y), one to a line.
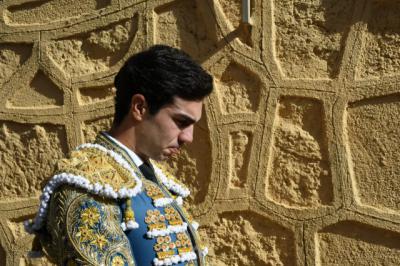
(153, 191)
(183, 243)
(172, 216)
(155, 220)
(87, 228)
(118, 260)
(165, 247)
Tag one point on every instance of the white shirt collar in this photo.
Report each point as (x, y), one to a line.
(135, 158)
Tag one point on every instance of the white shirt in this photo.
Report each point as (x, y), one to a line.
(135, 158)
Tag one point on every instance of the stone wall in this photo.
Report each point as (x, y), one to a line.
(296, 160)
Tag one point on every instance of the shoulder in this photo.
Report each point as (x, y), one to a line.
(100, 167)
(96, 171)
(86, 228)
(99, 171)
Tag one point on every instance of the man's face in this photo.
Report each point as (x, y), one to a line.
(161, 135)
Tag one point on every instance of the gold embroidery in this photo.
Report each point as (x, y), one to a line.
(82, 229)
(153, 191)
(175, 222)
(158, 226)
(173, 216)
(97, 167)
(184, 250)
(90, 216)
(165, 254)
(85, 234)
(100, 241)
(155, 220)
(117, 261)
(92, 231)
(157, 247)
(165, 247)
(184, 241)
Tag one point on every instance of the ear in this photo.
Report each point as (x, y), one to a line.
(138, 107)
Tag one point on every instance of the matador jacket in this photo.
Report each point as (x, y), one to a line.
(99, 209)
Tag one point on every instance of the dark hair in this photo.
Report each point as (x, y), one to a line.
(159, 74)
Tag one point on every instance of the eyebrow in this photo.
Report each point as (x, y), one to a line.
(187, 118)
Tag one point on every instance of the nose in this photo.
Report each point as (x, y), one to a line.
(186, 135)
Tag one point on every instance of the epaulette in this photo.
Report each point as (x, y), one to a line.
(98, 171)
(100, 168)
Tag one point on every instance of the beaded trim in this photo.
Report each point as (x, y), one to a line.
(171, 184)
(169, 230)
(81, 182)
(175, 259)
(162, 202)
(166, 181)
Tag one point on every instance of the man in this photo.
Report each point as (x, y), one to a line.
(109, 203)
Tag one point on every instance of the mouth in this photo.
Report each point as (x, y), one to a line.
(171, 151)
(174, 151)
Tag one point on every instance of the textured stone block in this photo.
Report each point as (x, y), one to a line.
(238, 89)
(43, 11)
(40, 92)
(299, 174)
(373, 134)
(28, 156)
(310, 36)
(95, 94)
(17, 228)
(381, 54)
(240, 145)
(233, 13)
(34, 259)
(180, 24)
(94, 51)
(3, 255)
(12, 56)
(91, 128)
(353, 243)
(232, 10)
(244, 238)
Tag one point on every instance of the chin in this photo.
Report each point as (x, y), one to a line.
(160, 157)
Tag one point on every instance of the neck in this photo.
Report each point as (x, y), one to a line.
(126, 134)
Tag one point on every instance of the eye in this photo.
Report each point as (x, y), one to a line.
(181, 123)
